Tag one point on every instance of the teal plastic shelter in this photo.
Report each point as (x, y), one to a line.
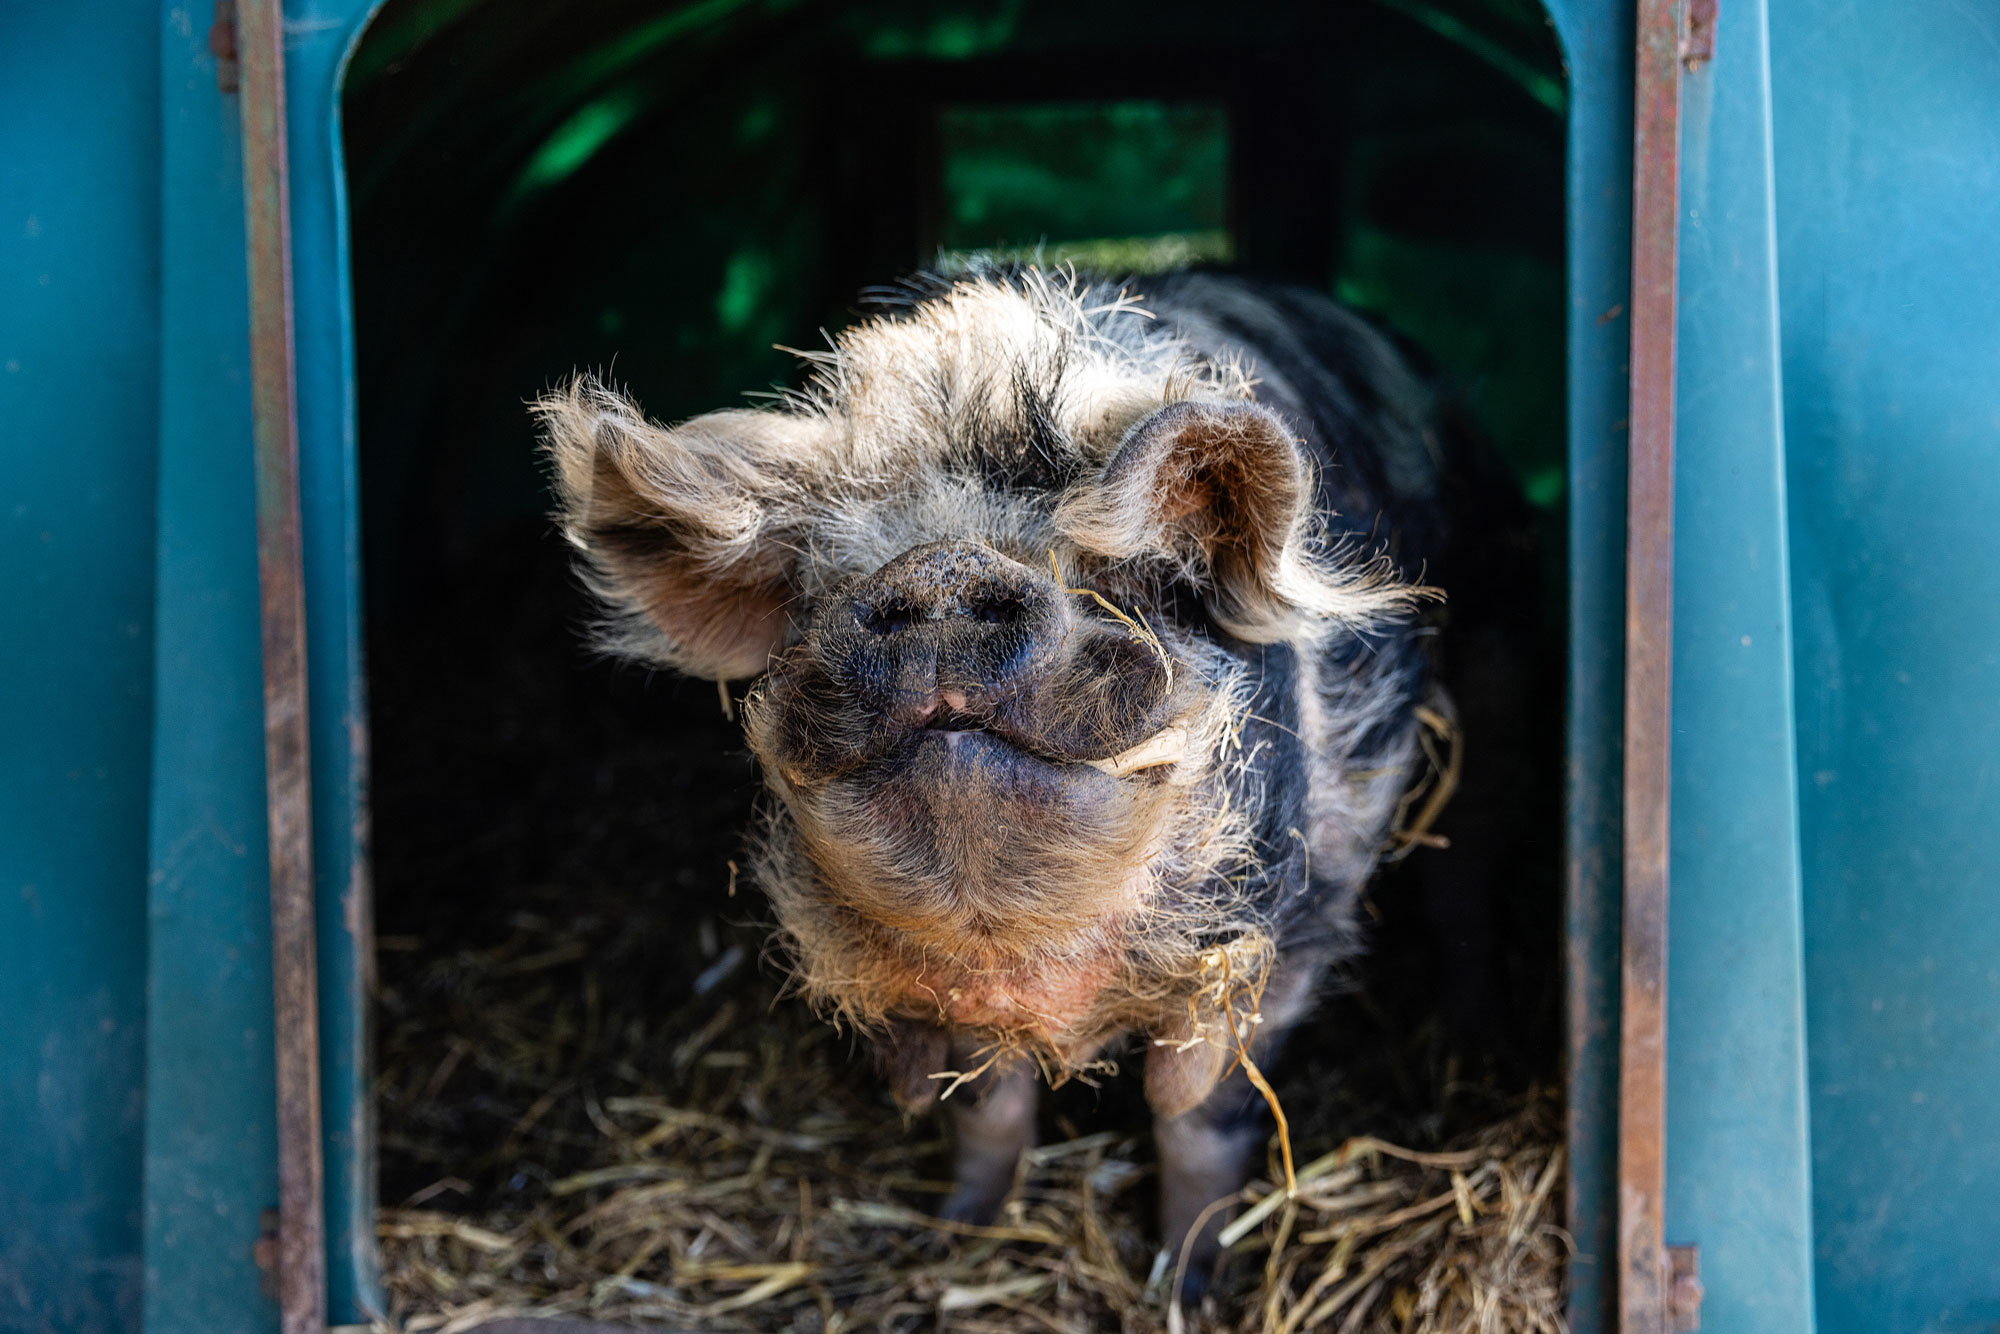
(1833, 1102)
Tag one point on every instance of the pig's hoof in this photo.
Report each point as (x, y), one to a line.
(1194, 1284)
(965, 1204)
(976, 1204)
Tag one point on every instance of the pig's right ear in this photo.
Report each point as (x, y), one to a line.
(684, 529)
(1223, 493)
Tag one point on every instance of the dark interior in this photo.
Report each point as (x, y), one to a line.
(668, 192)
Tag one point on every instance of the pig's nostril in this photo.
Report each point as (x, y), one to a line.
(887, 619)
(894, 615)
(1003, 609)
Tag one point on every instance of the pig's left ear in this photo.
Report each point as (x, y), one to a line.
(1224, 492)
(685, 530)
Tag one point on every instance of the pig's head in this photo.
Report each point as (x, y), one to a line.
(992, 577)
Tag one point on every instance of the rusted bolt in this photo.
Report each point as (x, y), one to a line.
(222, 45)
(1697, 32)
(264, 1252)
(1684, 1290)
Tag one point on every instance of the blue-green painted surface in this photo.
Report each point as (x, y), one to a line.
(211, 1143)
(211, 1165)
(1888, 208)
(322, 34)
(1737, 1155)
(1834, 1146)
(79, 383)
(132, 825)
(1597, 47)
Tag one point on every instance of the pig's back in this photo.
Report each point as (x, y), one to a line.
(1400, 471)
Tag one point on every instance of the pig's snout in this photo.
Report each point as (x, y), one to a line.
(954, 658)
(947, 628)
(952, 582)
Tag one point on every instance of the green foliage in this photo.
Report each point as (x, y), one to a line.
(1015, 174)
(1105, 254)
(665, 192)
(1493, 318)
(951, 33)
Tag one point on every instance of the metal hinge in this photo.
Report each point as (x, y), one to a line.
(1684, 1290)
(222, 45)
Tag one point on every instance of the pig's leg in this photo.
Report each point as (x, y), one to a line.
(1205, 1155)
(1206, 1151)
(912, 1054)
(993, 1123)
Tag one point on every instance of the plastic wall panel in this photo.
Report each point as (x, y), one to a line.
(322, 33)
(1888, 156)
(79, 266)
(1597, 45)
(1737, 1156)
(211, 1136)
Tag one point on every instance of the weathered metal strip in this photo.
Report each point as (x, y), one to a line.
(1643, 1297)
(280, 574)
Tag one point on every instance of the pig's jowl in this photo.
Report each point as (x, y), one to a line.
(1085, 631)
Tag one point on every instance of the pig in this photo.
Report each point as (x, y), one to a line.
(1084, 635)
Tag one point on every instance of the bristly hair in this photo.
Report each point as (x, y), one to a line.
(990, 407)
(965, 410)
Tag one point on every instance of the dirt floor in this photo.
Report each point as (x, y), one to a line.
(595, 1101)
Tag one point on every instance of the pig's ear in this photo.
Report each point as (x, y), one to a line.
(1223, 492)
(683, 529)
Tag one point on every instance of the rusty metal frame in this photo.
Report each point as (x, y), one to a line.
(1644, 1295)
(287, 754)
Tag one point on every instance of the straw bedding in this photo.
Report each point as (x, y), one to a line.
(730, 1164)
(594, 1102)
